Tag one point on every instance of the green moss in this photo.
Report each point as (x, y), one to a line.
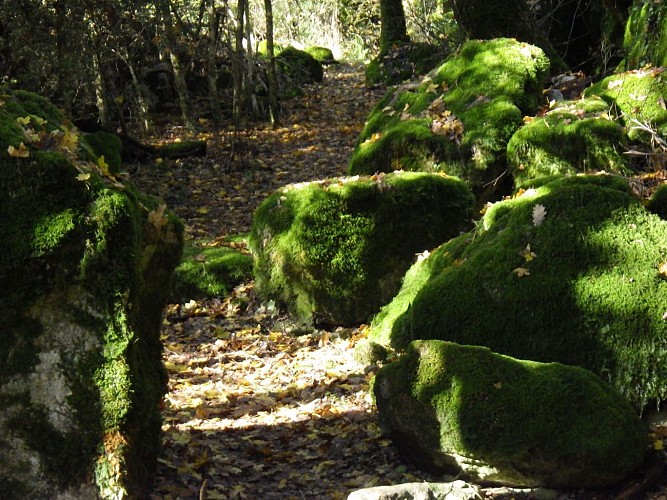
(105, 144)
(592, 286)
(537, 424)
(575, 137)
(322, 54)
(336, 250)
(300, 66)
(645, 40)
(459, 118)
(209, 272)
(638, 98)
(262, 49)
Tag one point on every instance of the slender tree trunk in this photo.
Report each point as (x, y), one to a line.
(250, 62)
(164, 7)
(211, 56)
(271, 72)
(100, 93)
(237, 66)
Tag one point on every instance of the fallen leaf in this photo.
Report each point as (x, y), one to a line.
(521, 272)
(20, 152)
(539, 213)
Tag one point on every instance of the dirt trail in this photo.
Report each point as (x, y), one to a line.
(255, 408)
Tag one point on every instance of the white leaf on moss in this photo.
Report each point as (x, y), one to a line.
(539, 214)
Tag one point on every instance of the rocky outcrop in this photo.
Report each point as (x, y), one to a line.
(84, 272)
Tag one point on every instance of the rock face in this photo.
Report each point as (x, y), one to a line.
(84, 272)
(460, 117)
(496, 419)
(336, 250)
(572, 271)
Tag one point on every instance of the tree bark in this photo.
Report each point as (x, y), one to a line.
(392, 24)
(237, 66)
(271, 71)
(211, 56)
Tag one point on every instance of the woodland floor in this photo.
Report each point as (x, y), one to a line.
(254, 410)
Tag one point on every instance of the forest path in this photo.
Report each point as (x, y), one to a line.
(255, 410)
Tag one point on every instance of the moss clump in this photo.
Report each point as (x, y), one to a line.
(458, 119)
(468, 410)
(638, 98)
(299, 66)
(645, 40)
(402, 62)
(574, 137)
(322, 54)
(262, 49)
(336, 250)
(209, 272)
(107, 145)
(578, 283)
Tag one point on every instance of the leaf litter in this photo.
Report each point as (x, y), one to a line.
(259, 407)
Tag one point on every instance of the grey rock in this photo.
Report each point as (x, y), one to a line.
(455, 490)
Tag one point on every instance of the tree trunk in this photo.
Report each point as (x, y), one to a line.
(392, 24)
(237, 66)
(250, 61)
(211, 55)
(271, 72)
(164, 8)
(101, 93)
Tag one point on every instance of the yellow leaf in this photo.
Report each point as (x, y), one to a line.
(83, 177)
(104, 166)
(498, 385)
(202, 210)
(20, 152)
(662, 269)
(39, 120)
(521, 272)
(69, 141)
(658, 444)
(23, 120)
(527, 253)
(157, 217)
(119, 99)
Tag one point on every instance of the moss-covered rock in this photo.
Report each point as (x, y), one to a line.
(104, 144)
(645, 40)
(299, 65)
(209, 271)
(574, 137)
(85, 272)
(496, 419)
(459, 119)
(568, 272)
(402, 62)
(322, 54)
(336, 250)
(638, 97)
(262, 48)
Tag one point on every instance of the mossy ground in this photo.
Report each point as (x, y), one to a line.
(582, 287)
(459, 119)
(336, 250)
(539, 424)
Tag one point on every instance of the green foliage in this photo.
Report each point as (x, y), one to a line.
(575, 285)
(459, 118)
(336, 250)
(535, 424)
(645, 40)
(209, 272)
(575, 136)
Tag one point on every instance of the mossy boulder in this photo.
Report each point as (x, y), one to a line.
(568, 272)
(299, 66)
(638, 97)
(322, 54)
(403, 61)
(336, 250)
(85, 272)
(575, 137)
(496, 419)
(459, 119)
(262, 48)
(645, 40)
(103, 146)
(209, 271)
